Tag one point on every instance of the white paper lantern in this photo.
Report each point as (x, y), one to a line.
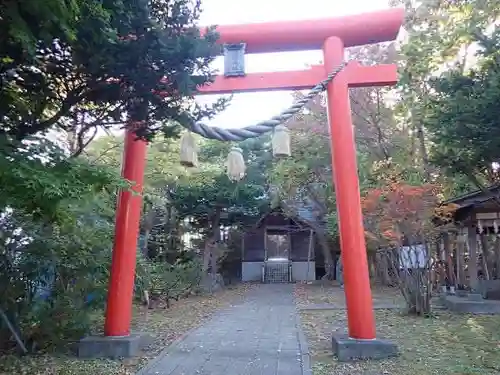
(235, 164)
(281, 141)
(189, 152)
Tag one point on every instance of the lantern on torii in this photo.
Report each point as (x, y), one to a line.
(332, 36)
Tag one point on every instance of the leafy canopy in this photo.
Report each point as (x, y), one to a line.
(140, 60)
(462, 115)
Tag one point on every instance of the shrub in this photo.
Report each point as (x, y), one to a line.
(165, 281)
(53, 276)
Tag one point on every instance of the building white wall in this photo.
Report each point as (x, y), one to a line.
(299, 271)
(251, 271)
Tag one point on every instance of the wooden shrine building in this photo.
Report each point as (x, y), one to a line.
(280, 248)
(470, 245)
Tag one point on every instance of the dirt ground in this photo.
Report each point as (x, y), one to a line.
(165, 324)
(330, 293)
(446, 344)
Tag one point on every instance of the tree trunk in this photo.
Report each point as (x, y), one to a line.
(449, 274)
(418, 291)
(207, 251)
(216, 237)
(460, 264)
(371, 266)
(384, 269)
(72, 139)
(419, 128)
(327, 254)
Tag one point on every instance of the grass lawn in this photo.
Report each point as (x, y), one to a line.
(446, 344)
(166, 325)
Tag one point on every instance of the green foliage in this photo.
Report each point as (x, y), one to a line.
(56, 229)
(38, 183)
(47, 271)
(144, 58)
(73, 67)
(199, 193)
(462, 116)
(441, 39)
(32, 21)
(171, 281)
(203, 194)
(209, 190)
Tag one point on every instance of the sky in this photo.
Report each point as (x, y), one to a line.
(248, 108)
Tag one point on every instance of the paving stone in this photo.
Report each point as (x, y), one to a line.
(259, 336)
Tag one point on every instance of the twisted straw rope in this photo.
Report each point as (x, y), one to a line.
(252, 131)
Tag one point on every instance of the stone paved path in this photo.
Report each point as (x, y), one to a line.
(260, 336)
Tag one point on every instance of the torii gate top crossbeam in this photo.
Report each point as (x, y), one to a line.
(281, 36)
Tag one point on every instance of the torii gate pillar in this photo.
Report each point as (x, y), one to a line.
(345, 174)
(361, 340)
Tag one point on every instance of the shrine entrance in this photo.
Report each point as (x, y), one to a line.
(278, 246)
(332, 36)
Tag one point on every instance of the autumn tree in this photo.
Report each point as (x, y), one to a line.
(400, 222)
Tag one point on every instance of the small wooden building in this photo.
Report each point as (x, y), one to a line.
(470, 246)
(280, 248)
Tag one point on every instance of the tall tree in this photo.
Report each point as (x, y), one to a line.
(437, 34)
(137, 59)
(208, 192)
(462, 116)
(204, 195)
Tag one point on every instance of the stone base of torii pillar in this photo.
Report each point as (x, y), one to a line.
(347, 349)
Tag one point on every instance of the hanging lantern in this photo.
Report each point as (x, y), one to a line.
(235, 164)
(189, 154)
(281, 141)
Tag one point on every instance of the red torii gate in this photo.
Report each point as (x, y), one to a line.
(332, 36)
